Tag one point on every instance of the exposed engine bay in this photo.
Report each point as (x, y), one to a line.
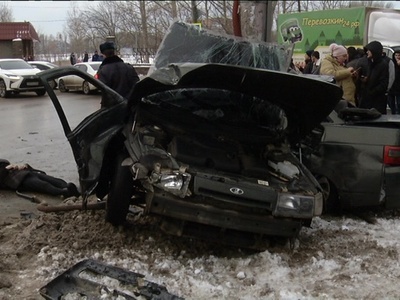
(214, 130)
(218, 161)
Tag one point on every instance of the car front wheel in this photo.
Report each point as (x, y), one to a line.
(331, 199)
(121, 191)
(3, 90)
(61, 86)
(86, 88)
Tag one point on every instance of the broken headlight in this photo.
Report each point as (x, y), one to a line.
(297, 206)
(174, 182)
(171, 181)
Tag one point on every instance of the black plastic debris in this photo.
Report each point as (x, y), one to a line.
(90, 279)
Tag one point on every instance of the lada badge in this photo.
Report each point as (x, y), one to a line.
(236, 191)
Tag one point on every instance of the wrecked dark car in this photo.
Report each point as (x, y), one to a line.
(205, 143)
(355, 155)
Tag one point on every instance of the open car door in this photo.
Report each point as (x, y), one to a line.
(91, 136)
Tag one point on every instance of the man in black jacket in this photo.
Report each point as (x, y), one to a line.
(375, 82)
(24, 178)
(116, 74)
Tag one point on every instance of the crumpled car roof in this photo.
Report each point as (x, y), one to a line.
(189, 57)
(188, 43)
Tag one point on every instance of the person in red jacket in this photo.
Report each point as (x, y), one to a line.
(24, 178)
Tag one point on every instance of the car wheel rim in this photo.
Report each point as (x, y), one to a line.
(326, 187)
(61, 86)
(86, 88)
(2, 89)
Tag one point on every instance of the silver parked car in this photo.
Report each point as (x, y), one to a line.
(76, 83)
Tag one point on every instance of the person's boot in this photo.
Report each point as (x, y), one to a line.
(73, 190)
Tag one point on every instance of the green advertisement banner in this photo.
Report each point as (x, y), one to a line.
(316, 30)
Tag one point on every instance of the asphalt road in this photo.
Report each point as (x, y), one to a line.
(32, 133)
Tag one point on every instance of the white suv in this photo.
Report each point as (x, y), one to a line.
(16, 76)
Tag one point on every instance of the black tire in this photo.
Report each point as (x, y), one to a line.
(331, 200)
(3, 90)
(61, 86)
(40, 92)
(86, 88)
(121, 191)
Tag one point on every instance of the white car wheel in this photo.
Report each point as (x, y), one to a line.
(3, 90)
(61, 86)
(86, 88)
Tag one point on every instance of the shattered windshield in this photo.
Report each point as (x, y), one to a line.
(188, 43)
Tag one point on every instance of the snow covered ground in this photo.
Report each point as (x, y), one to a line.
(340, 257)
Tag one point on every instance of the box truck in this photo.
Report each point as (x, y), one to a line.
(316, 30)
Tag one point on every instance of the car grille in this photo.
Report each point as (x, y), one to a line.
(243, 193)
(31, 81)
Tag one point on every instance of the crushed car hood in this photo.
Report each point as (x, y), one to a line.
(306, 101)
(189, 57)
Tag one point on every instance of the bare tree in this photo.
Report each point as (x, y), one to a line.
(6, 14)
(174, 11)
(133, 27)
(77, 31)
(381, 4)
(88, 28)
(144, 28)
(141, 25)
(195, 14)
(219, 15)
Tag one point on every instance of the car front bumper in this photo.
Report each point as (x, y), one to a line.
(26, 83)
(196, 212)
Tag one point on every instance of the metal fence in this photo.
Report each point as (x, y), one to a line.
(63, 59)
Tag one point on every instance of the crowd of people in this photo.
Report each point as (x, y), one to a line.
(368, 78)
(85, 58)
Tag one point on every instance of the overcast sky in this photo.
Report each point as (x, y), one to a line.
(49, 17)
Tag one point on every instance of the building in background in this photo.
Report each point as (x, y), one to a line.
(16, 40)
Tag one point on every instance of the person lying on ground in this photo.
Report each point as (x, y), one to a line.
(24, 178)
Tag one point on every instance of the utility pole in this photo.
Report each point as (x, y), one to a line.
(195, 14)
(237, 28)
(269, 14)
(264, 13)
